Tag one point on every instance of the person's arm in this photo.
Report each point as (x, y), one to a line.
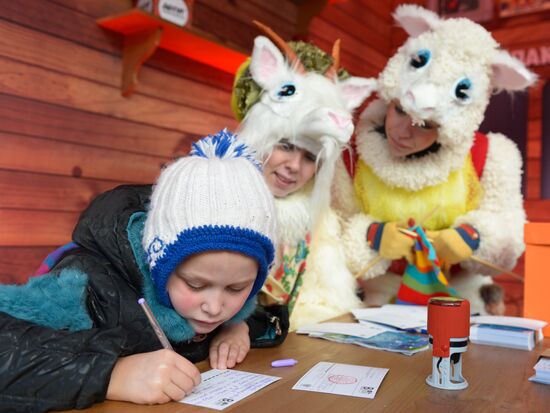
(45, 369)
(500, 217)
(152, 378)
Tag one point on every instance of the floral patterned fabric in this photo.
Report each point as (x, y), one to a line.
(283, 283)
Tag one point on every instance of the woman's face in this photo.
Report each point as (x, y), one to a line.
(404, 138)
(288, 169)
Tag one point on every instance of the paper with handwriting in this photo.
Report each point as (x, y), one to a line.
(222, 388)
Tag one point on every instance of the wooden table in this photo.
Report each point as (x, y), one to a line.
(497, 380)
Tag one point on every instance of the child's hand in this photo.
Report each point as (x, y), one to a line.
(152, 378)
(230, 346)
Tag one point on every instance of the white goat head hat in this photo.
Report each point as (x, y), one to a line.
(294, 102)
(445, 72)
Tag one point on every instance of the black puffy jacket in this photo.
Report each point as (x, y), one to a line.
(42, 368)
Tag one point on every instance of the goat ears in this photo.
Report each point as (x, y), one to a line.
(510, 73)
(415, 20)
(356, 89)
(267, 61)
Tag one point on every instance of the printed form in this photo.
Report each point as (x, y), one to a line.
(222, 388)
(344, 379)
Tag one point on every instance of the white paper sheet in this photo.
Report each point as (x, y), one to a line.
(222, 388)
(350, 329)
(508, 321)
(344, 379)
(400, 316)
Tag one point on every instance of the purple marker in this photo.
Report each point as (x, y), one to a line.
(283, 363)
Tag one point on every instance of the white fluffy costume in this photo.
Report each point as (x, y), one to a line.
(283, 97)
(444, 73)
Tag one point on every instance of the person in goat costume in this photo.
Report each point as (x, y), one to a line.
(437, 85)
(301, 108)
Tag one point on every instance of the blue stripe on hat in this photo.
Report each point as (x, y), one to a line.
(223, 145)
(213, 238)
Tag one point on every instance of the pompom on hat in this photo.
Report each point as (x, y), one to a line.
(215, 199)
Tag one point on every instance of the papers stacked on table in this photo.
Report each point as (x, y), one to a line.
(542, 369)
(369, 335)
(513, 332)
(412, 318)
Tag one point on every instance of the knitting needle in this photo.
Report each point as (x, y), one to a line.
(371, 264)
(269, 294)
(473, 258)
(379, 258)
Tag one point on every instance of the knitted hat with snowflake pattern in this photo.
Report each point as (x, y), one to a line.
(214, 199)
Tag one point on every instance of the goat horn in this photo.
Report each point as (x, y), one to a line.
(282, 45)
(332, 72)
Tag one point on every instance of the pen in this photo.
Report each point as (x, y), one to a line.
(283, 363)
(154, 323)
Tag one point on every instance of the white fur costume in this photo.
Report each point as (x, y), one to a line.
(316, 116)
(444, 73)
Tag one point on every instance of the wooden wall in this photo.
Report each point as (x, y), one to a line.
(66, 133)
(365, 28)
(523, 32)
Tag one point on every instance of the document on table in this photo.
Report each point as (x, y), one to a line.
(349, 329)
(399, 316)
(222, 388)
(344, 379)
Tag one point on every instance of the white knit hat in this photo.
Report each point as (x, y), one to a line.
(214, 199)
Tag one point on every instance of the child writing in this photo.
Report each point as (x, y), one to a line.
(197, 246)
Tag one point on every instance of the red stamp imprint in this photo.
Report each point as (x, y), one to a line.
(341, 379)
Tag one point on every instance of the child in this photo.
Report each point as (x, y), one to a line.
(197, 246)
(295, 104)
(493, 298)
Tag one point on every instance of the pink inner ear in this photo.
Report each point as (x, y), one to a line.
(355, 94)
(509, 78)
(414, 26)
(267, 64)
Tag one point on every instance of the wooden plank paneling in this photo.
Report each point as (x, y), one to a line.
(224, 27)
(284, 9)
(537, 210)
(58, 20)
(36, 228)
(244, 11)
(28, 117)
(17, 264)
(372, 21)
(351, 62)
(534, 148)
(23, 153)
(350, 44)
(67, 57)
(359, 27)
(533, 32)
(83, 30)
(97, 8)
(48, 86)
(382, 9)
(24, 190)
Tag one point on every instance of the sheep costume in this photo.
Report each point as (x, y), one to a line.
(297, 92)
(444, 73)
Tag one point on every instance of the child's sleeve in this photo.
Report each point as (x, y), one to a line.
(268, 325)
(44, 369)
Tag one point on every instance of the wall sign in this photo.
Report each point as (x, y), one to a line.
(533, 56)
